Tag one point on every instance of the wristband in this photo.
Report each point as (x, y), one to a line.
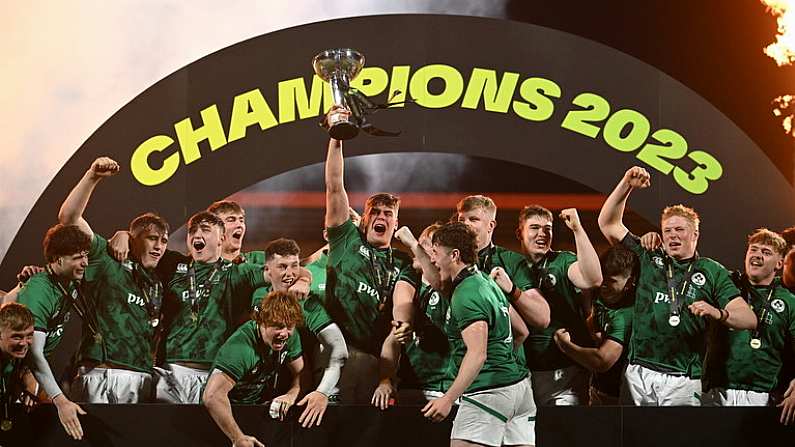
(723, 317)
(514, 294)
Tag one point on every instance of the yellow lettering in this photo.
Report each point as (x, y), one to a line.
(211, 130)
(538, 106)
(248, 109)
(371, 81)
(292, 95)
(453, 86)
(143, 171)
(484, 83)
(398, 83)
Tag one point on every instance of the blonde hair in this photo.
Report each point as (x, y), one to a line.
(682, 211)
(763, 236)
(469, 203)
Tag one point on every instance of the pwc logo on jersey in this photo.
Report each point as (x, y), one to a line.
(363, 287)
(135, 299)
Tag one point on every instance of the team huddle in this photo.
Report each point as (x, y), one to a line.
(458, 321)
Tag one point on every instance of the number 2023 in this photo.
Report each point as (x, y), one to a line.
(627, 130)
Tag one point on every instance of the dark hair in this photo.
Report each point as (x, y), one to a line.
(789, 235)
(619, 260)
(225, 206)
(146, 221)
(382, 198)
(279, 308)
(15, 316)
(282, 247)
(460, 237)
(64, 240)
(204, 216)
(534, 210)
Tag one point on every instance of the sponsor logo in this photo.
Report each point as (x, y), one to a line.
(699, 279)
(135, 299)
(127, 265)
(434, 300)
(182, 268)
(661, 297)
(364, 251)
(367, 289)
(777, 305)
(658, 261)
(321, 286)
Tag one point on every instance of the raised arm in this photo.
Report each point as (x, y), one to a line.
(611, 217)
(216, 400)
(429, 271)
(71, 212)
(586, 272)
(336, 197)
(67, 410)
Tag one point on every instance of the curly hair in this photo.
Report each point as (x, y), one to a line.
(64, 240)
(280, 309)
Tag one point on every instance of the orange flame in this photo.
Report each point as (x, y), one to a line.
(783, 52)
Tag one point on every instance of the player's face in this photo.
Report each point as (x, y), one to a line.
(148, 247)
(282, 271)
(204, 243)
(16, 343)
(276, 336)
(762, 262)
(379, 223)
(679, 237)
(234, 230)
(443, 258)
(612, 288)
(536, 236)
(73, 266)
(481, 222)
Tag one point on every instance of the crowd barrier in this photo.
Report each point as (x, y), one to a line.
(152, 425)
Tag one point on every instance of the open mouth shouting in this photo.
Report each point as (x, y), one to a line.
(198, 245)
(379, 228)
(237, 235)
(279, 342)
(674, 245)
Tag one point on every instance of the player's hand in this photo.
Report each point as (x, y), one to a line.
(437, 409)
(406, 237)
(285, 402)
(356, 219)
(500, 276)
(650, 240)
(637, 178)
(67, 413)
(247, 441)
(403, 331)
(790, 389)
(787, 410)
(335, 114)
(300, 287)
(571, 218)
(28, 271)
(383, 392)
(704, 309)
(119, 245)
(104, 167)
(316, 403)
(562, 338)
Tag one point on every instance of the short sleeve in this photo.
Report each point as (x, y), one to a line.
(38, 298)
(236, 357)
(468, 309)
(724, 289)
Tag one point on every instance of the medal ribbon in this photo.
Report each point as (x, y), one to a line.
(207, 284)
(81, 307)
(384, 281)
(765, 310)
(675, 305)
(153, 302)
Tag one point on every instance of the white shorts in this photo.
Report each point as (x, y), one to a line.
(722, 397)
(177, 384)
(561, 387)
(645, 387)
(500, 416)
(359, 378)
(111, 386)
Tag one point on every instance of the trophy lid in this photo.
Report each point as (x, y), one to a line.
(338, 61)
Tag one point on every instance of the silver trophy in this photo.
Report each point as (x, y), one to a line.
(339, 67)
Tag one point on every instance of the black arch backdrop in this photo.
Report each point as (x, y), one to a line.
(483, 87)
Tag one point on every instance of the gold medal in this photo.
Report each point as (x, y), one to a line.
(756, 343)
(673, 320)
(154, 321)
(194, 317)
(6, 425)
(98, 337)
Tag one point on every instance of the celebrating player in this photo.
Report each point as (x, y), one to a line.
(234, 217)
(16, 337)
(677, 292)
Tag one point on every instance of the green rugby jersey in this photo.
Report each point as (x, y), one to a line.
(252, 364)
(615, 323)
(318, 270)
(50, 308)
(352, 292)
(427, 359)
(11, 370)
(733, 364)
(475, 298)
(315, 316)
(119, 307)
(551, 276)
(657, 345)
(251, 257)
(516, 266)
(221, 301)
